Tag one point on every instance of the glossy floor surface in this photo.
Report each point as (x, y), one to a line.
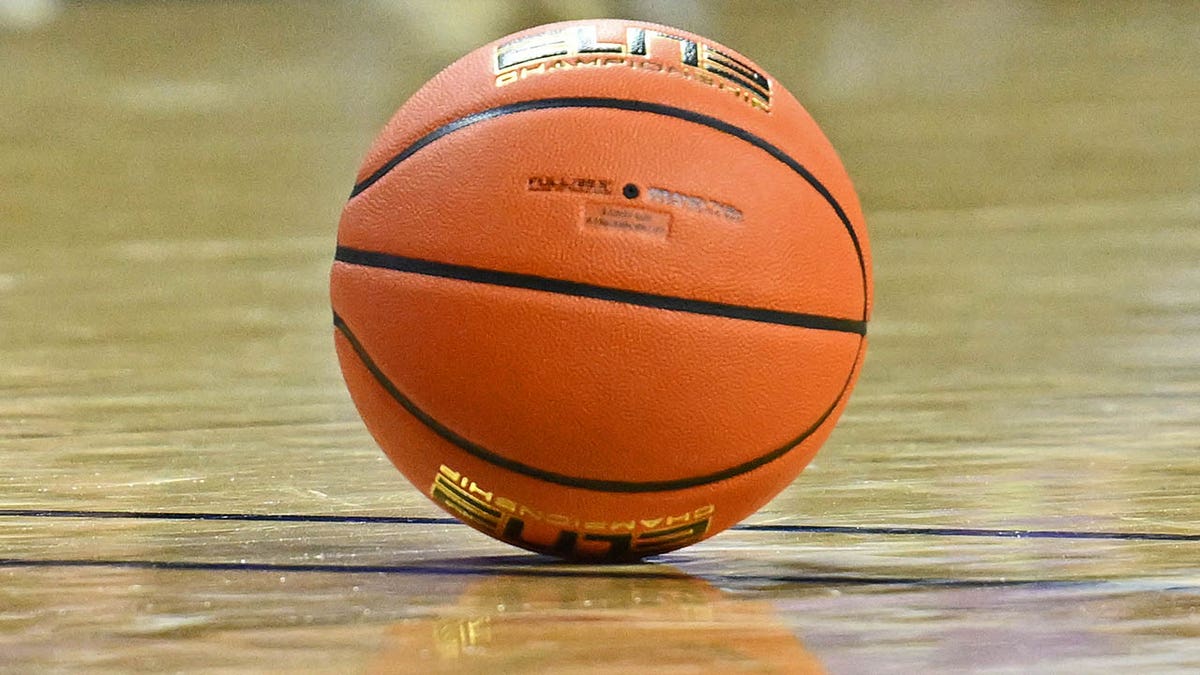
(185, 485)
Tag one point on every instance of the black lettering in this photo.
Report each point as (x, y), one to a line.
(586, 42)
(578, 40)
(618, 544)
(562, 546)
(737, 71)
(658, 541)
(531, 48)
(637, 41)
(689, 51)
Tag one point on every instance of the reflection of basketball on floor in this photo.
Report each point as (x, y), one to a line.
(601, 289)
(552, 625)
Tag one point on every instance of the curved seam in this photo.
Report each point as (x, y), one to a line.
(634, 106)
(479, 275)
(594, 484)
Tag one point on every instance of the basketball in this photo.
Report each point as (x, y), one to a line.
(601, 289)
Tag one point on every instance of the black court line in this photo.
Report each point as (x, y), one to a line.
(257, 517)
(781, 528)
(971, 532)
(581, 571)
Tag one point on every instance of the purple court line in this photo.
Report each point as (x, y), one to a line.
(525, 570)
(794, 529)
(971, 532)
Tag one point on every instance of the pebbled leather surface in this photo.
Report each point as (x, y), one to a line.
(593, 388)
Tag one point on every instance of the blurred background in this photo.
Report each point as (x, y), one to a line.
(171, 176)
(173, 173)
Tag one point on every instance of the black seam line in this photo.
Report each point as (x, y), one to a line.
(533, 282)
(595, 484)
(635, 106)
(746, 527)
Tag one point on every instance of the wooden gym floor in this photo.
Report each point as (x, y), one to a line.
(185, 485)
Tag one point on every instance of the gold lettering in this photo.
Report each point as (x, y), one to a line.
(671, 520)
(488, 511)
(475, 489)
(539, 69)
(567, 49)
(560, 520)
(526, 511)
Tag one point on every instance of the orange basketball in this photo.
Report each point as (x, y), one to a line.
(601, 289)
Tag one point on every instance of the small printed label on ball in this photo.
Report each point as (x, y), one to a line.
(696, 203)
(626, 219)
(596, 186)
(561, 534)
